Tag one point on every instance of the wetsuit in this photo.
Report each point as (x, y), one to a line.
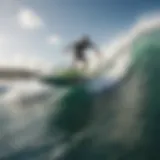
(79, 49)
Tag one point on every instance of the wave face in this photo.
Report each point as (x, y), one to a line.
(105, 118)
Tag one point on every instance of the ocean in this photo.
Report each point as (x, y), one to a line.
(107, 118)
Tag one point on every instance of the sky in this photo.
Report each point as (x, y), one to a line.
(40, 29)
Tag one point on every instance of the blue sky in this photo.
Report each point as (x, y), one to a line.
(41, 28)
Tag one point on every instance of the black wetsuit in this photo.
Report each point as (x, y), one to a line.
(79, 49)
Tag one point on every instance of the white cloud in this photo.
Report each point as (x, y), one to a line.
(28, 19)
(54, 40)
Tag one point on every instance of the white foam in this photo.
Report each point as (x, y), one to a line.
(119, 50)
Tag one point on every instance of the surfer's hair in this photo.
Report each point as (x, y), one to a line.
(85, 37)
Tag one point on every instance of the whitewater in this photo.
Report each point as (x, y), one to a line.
(114, 117)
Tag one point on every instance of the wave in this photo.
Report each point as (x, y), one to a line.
(120, 121)
(107, 118)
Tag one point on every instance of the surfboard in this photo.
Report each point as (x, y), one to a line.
(72, 76)
(68, 77)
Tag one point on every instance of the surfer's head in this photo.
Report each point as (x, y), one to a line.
(85, 38)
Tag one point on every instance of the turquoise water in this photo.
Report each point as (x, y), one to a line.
(104, 119)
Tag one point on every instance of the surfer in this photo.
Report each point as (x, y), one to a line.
(79, 51)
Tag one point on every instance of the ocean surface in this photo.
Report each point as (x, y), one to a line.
(108, 118)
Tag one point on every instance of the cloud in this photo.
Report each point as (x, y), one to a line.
(28, 19)
(54, 40)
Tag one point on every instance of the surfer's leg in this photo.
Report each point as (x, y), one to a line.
(82, 60)
(77, 61)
